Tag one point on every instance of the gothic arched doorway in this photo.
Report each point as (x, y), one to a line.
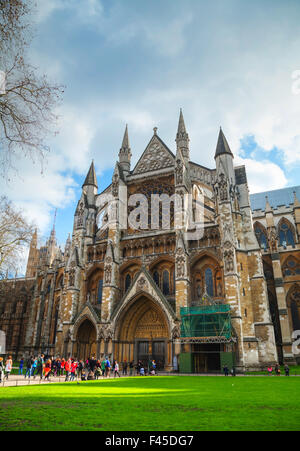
(86, 340)
(143, 334)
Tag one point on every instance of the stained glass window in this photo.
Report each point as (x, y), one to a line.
(156, 278)
(209, 282)
(100, 289)
(286, 236)
(127, 282)
(261, 237)
(166, 283)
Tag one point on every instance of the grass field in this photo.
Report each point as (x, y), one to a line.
(155, 403)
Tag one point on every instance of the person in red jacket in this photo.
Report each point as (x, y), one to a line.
(62, 366)
(68, 367)
(74, 366)
(47, 369)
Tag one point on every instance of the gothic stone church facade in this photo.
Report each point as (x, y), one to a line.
(131, 294)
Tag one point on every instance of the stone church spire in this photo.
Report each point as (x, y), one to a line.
(224, 159)
(90, 186)
(91, 179)
(182, 138)
(125, 153)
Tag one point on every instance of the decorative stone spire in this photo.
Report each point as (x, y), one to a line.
(296, 200)
(91, 179)
(268, 208)
(222, 146)
(125, 153)
(182, 138)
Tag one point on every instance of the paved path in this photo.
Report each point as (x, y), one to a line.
(18, 381)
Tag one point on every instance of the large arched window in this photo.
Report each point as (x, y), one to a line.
(166, 283)
(286, 235)
(127, 282)
(291, 267)
(261, 236)
(295, 315)
(156, 277)
(293, 302)
(100, 291)
(209, 283)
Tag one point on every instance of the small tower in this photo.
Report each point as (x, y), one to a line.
(224, 158)
(125, 153)
(90, 186)
(33, 257)
(182, 139)
(296, 208)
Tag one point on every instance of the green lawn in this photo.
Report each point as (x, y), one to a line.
(173, 403)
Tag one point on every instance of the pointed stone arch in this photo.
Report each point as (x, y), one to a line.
(143, 331)
(286, 232)
(293, 305)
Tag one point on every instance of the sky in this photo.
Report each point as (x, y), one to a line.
(232, 63)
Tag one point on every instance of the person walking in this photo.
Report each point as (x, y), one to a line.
(233, 373)
(131, 366)
(47, 369)
(125, 366)
(74, 366)
(277, 370)
(21, 367)
(40, 367)
(270, 370)
(287, 369)
(29, 363)
(1, 369)
(80, 368)
(68, 369)
(103, 368)
(33, 367)
(226, 370)
(62, 366)
(8, 366)
(107, 367)
(58, 367)
(116, 369)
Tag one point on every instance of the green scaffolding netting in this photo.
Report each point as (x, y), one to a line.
(206, 321)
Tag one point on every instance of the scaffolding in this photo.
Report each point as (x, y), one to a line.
(206, 323)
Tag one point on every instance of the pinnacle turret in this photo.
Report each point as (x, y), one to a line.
(182, 138)
(91, 179)
(222, 145)
(125, 153)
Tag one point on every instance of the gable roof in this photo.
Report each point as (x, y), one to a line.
(156, 156)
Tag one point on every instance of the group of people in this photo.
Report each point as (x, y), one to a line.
(71, 368)
(5, 367)
(278, 371)
(226, 371)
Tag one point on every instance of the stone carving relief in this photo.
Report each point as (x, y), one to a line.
(72, 274)
(180, 263)
(156, 157)
(115, 185)
(272, 236)
(80, 215)
(228, 257)
(142, 284)
(107, 332)
(179, 172)
(108, 269)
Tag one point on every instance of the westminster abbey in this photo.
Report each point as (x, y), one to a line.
(193, 302)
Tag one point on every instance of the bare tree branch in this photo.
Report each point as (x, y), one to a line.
(15, 235)
(29, 101)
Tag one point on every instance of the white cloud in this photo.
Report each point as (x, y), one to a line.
(263, 175)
